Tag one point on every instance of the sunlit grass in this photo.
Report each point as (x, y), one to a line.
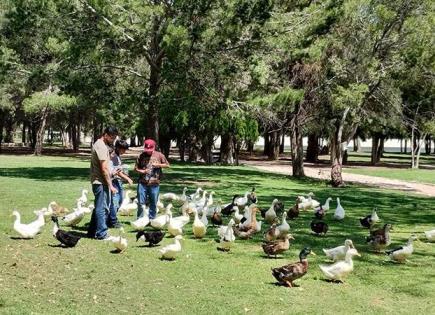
(38, 278)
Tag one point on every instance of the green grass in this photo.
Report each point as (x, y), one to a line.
(410, 175)
(38, 278)
(391, 158)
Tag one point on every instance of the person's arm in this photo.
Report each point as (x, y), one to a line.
(104, 164)
(137, 169)
(125, 177)
(163, 163)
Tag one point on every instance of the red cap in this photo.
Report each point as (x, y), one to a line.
(149, 146)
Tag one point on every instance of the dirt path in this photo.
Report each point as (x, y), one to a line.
(284, 167)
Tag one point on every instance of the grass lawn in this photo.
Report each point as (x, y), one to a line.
(394, 158)
(37, 277)
(410, 175)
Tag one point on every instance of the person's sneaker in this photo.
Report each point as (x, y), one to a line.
(105, 238)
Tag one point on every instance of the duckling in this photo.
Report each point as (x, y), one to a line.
(339, 211)
(199, 229)
(230, 208)
(379, 239)
(227, 237)
(152, 237)
(271, 234)
(120, 243)
(369, 220)
(169, 252)
(277, 247)
(339, 252)
(284, 227)
(319, 227)
(430, 235)
(289, 273)
(142, 222)
(339, 270)
(65, 238)
(270, 214)
(293, 212)
(26, 230)
(57, 209)
(216, 218)
(400, 254)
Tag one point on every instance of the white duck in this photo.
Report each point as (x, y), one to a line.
(400, 254)
(141, 223)
(127, 208)
(237, 215)
(325, 206)
(339, 252)
(195, 196)
(83, 198)
(270, 214)
(26, 230)
(171, 251)
(199, 228)
(160, 205)
(339, 211)
(183, 219)
(183, 196)
(227, 237)
(40, 221)
(210, 200)
(120, 243)
(204, 219)
(188, 207)
(242, 201)
(258, 226)
(284, 227)
(430, 235)
(160, 221)
(202, 201)
(375, 217)
(174, 227)
(339, 270)
(76, 216)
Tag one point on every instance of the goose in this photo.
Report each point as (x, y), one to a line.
(160, 221)
(339, 211)
(120, 243)
(152, 237)
(170, 252)
(270, 214)
(174, 227)
(227, 237)
(127, 208)
(76, 216)
(26, 230)
(237, 216)
(400, 254)
(284, 227)
(339, 270)
(66, 239)
(430, 235)
(83, 198)
(199, 228)
(142, 222)
(339, 252)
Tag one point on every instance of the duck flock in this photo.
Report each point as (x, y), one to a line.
(208, 213)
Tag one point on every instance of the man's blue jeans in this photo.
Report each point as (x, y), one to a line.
(116, 202)
(97, 227)
(143, 193)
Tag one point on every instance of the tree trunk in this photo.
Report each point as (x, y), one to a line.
(406, 146)
(237, 146)
(23, 133)
(33, 135)
(337, 151)
(282, 145)
(401, 145)
(380, 152)
(2, 121)
(165, 145)
(181, 143)
(375, 145)
(251, 148)
(297, 152)
(273, 152)
(73, 135)
(266, 147)
(96, 132)
(9, 126)
(312, 148)
(427, 147)
(227, 149)
(356, 144)
(133, 141)
(41, 132)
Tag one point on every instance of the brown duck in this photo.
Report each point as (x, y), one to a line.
(278, 246)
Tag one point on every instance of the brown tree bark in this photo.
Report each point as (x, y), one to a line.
(297, 152)
(282, 145)
(273, 152)
(312, 148)
(41, 131)
(227, 149)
